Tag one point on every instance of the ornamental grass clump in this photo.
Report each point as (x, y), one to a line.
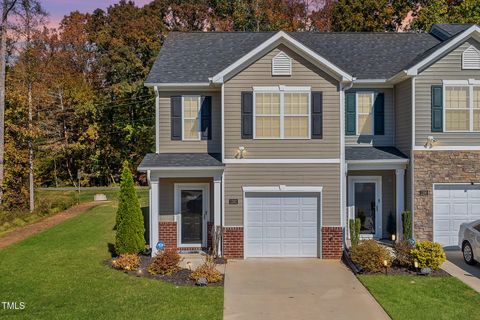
(208, 271)
(129, 225)
(127, 262)
(371, 256)
(165, 263)
(429, 254)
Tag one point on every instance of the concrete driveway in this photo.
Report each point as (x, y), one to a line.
(296, 289)
(455, 265)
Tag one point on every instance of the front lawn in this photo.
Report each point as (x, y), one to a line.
(414, 297)
(60, 274)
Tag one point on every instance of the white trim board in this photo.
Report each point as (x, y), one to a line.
(276, 39)
(279, 161)
(284, 188)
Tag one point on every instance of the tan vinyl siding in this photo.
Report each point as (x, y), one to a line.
(303, 74)
(447, 68)
(241, 175)
(167, 195)
(167, 145)
(403, 115)
(388, 196)
(377, 140)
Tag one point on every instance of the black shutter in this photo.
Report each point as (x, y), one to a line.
(247, 115)
(350, 114)
(206, 121)
(317, 115)
(379, 114)
(437, 108)
(176, 117)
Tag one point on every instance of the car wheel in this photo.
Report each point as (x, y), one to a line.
(468, 254)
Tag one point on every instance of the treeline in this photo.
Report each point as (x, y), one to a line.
(75, 100)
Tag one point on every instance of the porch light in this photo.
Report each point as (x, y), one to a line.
(241, 151)
(431, 140)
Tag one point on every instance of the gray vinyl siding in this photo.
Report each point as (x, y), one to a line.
(303, 74)
(167, 195)
(377, 140)
(167, 145)
(388, 196)
(241, 175)
(448, 67)
(403, 116)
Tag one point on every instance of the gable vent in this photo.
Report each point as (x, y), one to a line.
(471, 58)
(281, 65)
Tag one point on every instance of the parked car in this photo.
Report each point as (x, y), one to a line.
(469, 241)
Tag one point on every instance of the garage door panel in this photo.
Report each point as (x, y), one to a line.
(281, 225)
(454, 205)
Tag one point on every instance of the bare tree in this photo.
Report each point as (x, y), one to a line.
(7, 6)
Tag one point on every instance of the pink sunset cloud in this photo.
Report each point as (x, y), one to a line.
(57, 9)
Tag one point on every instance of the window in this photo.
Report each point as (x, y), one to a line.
(365, 113)
(282, 115)
(477, 227)
(462, 108)
(191, 117)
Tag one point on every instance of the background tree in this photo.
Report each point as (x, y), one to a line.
(129, 220)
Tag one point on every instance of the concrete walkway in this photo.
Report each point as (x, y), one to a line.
(296, 289)
(470, 275)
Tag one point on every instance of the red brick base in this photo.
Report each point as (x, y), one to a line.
(233, 242)
(332, 242)
(167, 231)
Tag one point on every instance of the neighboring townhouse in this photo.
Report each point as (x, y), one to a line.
(276, 140)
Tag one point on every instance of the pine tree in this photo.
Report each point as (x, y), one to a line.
(129, 221)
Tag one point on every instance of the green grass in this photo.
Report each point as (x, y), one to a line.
(413, 297)
(60, 274)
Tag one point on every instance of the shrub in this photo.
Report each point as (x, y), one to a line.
(129, 221)
(208, 271)
(127, 262)
(354, 225)
(407, 224)
(165, 263)
(369, 255)
(429, 254)
(403, 252)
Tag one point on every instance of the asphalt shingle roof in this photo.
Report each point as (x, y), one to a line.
(373, 153)
(155, 160)
(193, 57)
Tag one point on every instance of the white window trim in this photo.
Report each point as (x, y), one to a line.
(282, 90)
(199, 117)
(470, 83)
(371, 109)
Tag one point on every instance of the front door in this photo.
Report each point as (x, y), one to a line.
(192, 211)
(365, 202)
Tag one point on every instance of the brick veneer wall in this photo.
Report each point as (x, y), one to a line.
(168, 233)
(233, 242)
(332, 242)
(439, 167)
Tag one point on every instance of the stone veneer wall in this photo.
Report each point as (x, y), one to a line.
(438, 167)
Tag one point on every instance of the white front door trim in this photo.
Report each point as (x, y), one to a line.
(178, 187)
(378, 194)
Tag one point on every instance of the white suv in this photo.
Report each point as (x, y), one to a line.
(469, 241)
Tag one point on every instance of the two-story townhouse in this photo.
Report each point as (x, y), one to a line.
(271, 142)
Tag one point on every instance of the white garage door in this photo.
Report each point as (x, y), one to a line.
(281, 225)
(453, 205)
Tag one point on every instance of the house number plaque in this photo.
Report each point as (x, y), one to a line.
(232, 201)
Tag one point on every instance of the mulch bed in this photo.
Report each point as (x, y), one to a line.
(400, 271)
(179, 278)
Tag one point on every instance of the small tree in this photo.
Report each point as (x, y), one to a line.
(129, 221)
(407, 225)
(354, 231)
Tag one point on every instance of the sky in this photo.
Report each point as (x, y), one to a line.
(59, 8)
